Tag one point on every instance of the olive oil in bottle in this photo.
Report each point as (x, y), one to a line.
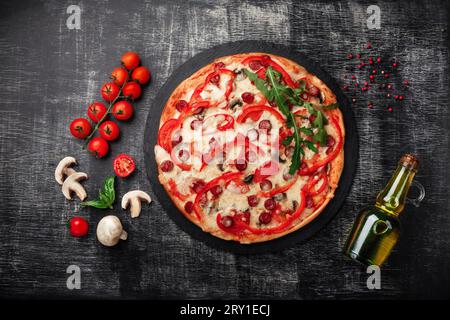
(376, 230)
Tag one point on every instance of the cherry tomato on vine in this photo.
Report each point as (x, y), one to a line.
(96, 111)
(119, 76)
(123, 165)
(98, 147)
(78, 227)
(141, 75)
(109, 130)
(122, 110)
(130, 60)
(132, 90)
(110, 91)
(80, 128)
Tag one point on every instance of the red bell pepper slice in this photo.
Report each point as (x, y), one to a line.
(268, 169)
(312, 182)
(202, 86)
(280, 189)
(305, 170)
(224, 178)
(240, 227)
(266, 60)
(166, 132)
(227, 123)
(174, 190)
(254, 112)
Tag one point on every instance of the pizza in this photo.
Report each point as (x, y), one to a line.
(250, 147)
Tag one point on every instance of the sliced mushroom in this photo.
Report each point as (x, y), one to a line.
(63, 169)
(72, 184)
(134, 198)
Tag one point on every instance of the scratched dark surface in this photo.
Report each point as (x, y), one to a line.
(49, 74)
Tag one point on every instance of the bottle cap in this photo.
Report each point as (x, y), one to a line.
(409, 161)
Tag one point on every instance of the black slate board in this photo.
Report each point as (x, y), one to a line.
(186, 70)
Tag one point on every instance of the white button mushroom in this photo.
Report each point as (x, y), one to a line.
(64, 169)
(72, 184)
(134, 198)
(110, 231)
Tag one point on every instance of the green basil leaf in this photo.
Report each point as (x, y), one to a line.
(95, 203)
(106, 196)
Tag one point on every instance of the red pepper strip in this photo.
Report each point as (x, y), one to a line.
(286, 77)
(248, 145)
(246, 113)
(165, 133)
(279, 189)
(174, 190)
(312, 182)
(241, 226)
(266, 170)
(227, 123)
(227, 176)
(261, 73)
(201, 87)
(331, 156)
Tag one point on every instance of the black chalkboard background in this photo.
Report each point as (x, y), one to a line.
(49, 74)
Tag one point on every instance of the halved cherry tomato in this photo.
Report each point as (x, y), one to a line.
(96, 111)
(80, 128)
(119, 76)
(130, 60)
(109, 130)
(123, 165)
(110, 91)
(141, 75)
(122, 110)
(98, 147)
(132, 90)
(78, 227)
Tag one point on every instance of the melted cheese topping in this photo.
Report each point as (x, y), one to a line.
(201, 140)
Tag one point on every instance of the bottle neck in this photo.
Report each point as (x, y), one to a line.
(393, 197)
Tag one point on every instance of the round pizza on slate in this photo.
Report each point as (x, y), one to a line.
(250, 147)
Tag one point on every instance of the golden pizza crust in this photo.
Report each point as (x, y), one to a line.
(336, 165)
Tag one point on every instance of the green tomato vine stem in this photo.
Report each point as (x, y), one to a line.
(108, 111)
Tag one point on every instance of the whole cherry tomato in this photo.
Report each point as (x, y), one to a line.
(119, 76)
(80, 128)
(141, 75)
(78, 227)
(110, 91)
(132, 90)
(96, 111)
(122, 110)
(98, 147)
(123, 165)
(109, 130)
(130, 60)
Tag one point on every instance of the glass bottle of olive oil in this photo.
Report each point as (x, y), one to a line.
(376, 230)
